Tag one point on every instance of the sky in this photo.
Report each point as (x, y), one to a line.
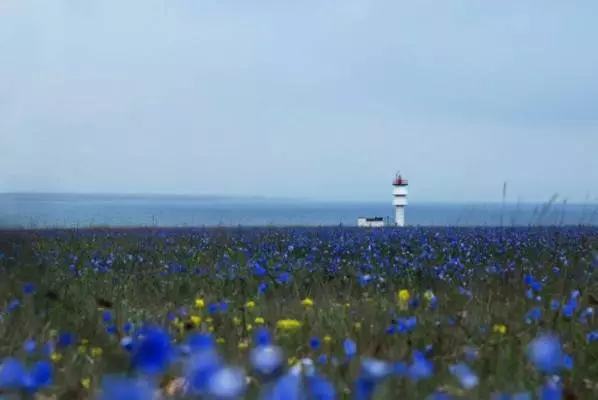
(315, 99)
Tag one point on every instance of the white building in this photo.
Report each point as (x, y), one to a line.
(374, 222)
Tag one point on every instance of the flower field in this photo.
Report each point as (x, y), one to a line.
(299, 313)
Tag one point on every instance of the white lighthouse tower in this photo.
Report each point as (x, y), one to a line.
(399, 199)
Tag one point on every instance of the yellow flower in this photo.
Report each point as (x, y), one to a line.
(85, 383)
(243, 344)
(82, 349)
(200, 303)
(347, 305)
(236, 321)
(288, 324)
(84, 342)
(56, 357)
(428, 295)
(327, 339)
(259, 320)
(196, 320)
(404, 295)
(209, 320)
(499, 328)
(292, 360)
(250, 305)
(249, 327)
(211, 328)
(307, 302)
(96, 352)
(220, 340)
(358, 325)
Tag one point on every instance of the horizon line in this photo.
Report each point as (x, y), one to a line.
(589, 202)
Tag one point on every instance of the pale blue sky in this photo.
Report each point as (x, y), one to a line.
(320, 99)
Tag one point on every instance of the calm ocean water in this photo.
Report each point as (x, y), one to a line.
(37, 211)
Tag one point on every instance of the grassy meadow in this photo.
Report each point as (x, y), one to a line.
(383, 314)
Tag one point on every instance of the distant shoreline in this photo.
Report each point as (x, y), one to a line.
(276, 200)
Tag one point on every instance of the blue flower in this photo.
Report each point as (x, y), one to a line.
(350, 348)
(152, 353)
(364, 280)
(546, 353)
(258, 270)
(288, 387)
(200, 368)
(471, 353)
(401, 369)
(284, 277)
(224, 306)
(13, 305)
(262, 336)
(28, 288)
(13, 374)
(106, 316)
(568, 310)
(555, 305)
(29, 345)
(127, 343)
(320, 388)
(533, 315)
(467, 378)
(568, 362)
(420, 367)
(65, 339)
(267, 361)
(262, 287)
(119, 388)
(41, 375)
(200, 341)
(364, 389)
(227, 383)
(550, 391)
(406, 325)
(314, 343)
(127, 327)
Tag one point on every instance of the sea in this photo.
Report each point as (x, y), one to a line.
(83, 210)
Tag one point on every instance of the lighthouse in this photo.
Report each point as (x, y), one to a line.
(399, 199)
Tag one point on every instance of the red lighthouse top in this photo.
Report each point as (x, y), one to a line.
(399, 181)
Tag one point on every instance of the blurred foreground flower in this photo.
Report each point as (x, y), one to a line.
(152, 354)
(546, 353)
(119, 388)
(267, 361)
(15, 376)
(227, 383)
(467, 378)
